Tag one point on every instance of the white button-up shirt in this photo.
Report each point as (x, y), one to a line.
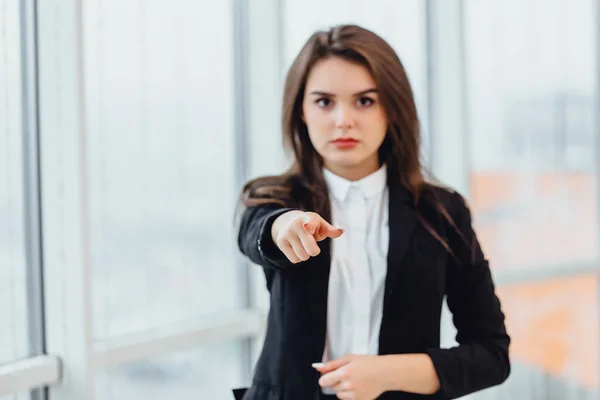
(358, 264)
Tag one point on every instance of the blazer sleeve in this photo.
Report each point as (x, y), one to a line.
(254, 236)
(481, 359)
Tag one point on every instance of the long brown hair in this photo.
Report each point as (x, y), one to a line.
(303, 185)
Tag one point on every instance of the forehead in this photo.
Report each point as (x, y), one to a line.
(338, 76)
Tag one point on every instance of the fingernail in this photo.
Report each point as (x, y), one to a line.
(318, 365)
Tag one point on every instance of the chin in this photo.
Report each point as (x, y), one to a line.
(345, 160)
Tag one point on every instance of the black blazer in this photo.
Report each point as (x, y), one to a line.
(420, 272)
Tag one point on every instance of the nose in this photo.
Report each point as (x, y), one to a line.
(344, 119)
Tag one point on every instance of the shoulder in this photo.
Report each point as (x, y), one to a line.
(445, 195)
(268, 181)
(446, 200)
(275, 189)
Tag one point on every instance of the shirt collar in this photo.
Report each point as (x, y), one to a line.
(369, 186)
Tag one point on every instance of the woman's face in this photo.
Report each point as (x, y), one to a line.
(345, 119)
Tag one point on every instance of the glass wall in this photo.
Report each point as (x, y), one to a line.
(14, 342)
(531, 114)
(140, 182)
(531, 80)
(205, 373)
(159, 97)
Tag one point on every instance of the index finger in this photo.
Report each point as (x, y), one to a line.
(325, 229)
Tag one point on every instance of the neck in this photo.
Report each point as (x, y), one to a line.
(354, 172)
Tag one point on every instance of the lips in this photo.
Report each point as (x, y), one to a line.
(345, 141)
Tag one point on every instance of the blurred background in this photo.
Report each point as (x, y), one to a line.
(127, 129)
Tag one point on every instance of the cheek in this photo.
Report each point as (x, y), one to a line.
(318, 125)
(376, 141)
(317, 118)
(378, 130)
(318, 139)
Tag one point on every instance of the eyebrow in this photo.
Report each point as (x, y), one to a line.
(325, 94)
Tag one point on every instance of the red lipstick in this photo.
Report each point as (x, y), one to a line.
(345, 143)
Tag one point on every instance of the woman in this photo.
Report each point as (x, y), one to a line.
(358, 250)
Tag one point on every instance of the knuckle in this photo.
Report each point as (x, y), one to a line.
(312, 215)
(299, 220)
(345, 373)
(287, 236)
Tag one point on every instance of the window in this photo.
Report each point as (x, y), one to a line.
(159, 98)
(13, 265)
(531, 118)
(531, 82)
(209, 372)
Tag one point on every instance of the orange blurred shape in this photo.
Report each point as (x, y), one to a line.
(554, 326)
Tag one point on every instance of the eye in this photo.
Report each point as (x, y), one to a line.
(365, 102)
(323, 102)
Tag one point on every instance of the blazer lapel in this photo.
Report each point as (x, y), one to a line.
(318, 288)
(402, 222)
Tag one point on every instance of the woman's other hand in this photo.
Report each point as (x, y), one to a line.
(353, 377)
